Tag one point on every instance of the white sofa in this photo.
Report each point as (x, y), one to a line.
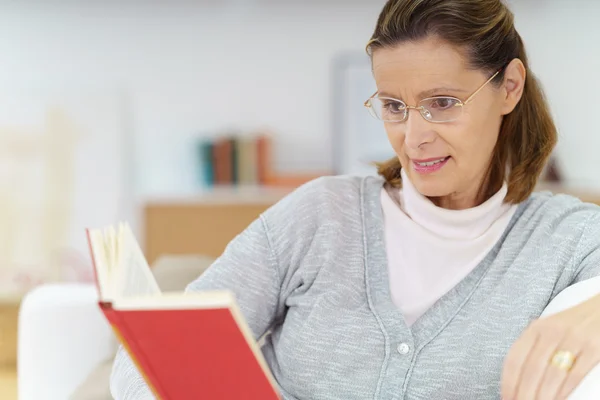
(66, 347)
(63, 338)
(589, 388)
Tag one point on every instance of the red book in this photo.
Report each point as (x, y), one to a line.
(263, 153)
(186, 346)
(223, 163)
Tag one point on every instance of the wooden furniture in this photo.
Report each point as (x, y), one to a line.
(9, 319)
(8, 383)
(203, 224)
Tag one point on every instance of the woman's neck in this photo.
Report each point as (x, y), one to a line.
(456, 201)
(468, 222)
(479, 193)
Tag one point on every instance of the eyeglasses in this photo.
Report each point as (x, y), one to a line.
(438, 109)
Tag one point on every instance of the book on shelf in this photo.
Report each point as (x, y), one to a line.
(185, 345)
(223, 158)
(205, 154)
(245, 160)
(236, 160)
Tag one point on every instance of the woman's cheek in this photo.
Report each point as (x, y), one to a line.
(396, 139)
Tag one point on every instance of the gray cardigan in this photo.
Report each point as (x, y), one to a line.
(313, 269)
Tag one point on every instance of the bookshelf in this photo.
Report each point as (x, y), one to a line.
(225, 194)
(203, 223)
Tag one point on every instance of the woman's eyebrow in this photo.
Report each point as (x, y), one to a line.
(426, 93)
(386, 94)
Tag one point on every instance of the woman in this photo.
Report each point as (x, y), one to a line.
(427, 283)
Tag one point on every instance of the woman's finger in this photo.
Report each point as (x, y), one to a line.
(534, 368)
(587, 359)
(514, 362)
(554, 376)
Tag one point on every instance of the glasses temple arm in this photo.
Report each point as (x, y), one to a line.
(369, 99)
(481, 87)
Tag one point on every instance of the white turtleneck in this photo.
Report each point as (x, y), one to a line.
(430, 249)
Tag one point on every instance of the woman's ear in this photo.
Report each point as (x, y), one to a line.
(514, 83)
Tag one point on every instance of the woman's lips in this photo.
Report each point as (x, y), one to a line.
(430, 165)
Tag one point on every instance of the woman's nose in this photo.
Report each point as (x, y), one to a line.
(417, 130)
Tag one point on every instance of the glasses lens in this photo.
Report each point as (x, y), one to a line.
(441, 109)
(388, 109)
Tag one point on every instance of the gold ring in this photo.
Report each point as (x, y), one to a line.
(563, 360)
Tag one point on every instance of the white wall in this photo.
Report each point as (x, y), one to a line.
(193, 67)
(563, 41)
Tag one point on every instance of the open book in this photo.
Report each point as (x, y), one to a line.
(185, 345)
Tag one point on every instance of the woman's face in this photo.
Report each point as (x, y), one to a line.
(413, 71)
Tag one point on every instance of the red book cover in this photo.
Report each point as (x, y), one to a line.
(189, 346)
(263, 149)
(191, 354)
(222, 158)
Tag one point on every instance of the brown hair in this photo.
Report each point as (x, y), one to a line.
(485, 28)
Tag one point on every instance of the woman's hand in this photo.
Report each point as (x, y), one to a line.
(530, 374)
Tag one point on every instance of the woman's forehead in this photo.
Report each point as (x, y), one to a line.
(422, 60)
(414, 70)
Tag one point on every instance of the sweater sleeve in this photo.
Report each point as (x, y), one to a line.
(248, 267)
(587, 258)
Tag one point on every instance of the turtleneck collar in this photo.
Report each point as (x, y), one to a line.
(453, 224)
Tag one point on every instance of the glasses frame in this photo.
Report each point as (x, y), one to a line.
(422, 110)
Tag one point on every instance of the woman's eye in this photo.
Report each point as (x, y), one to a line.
(394, 107)
(442, 103)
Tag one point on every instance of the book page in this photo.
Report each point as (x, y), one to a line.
(101, 265)
(134, 275)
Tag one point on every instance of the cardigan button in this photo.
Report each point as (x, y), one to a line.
(403, 348)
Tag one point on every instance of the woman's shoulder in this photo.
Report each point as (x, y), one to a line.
(341, 184)
(558, 209)
(316, 213)
(335, 189)
(327, 198)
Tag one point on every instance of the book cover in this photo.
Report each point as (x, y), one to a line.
(205, 150)
(191, 353)
(184, 345)
(263, 154)
(247, 160)
(223, 161)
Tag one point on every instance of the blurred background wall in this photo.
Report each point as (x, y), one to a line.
(139, 82)
(193, 67)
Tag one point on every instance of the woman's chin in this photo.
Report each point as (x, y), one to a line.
(433, 192)
(431, 187)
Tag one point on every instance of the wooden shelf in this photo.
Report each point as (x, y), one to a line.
(223, 195)
(203, 224)
(9, 321)
(8, 383)
(11, 299)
